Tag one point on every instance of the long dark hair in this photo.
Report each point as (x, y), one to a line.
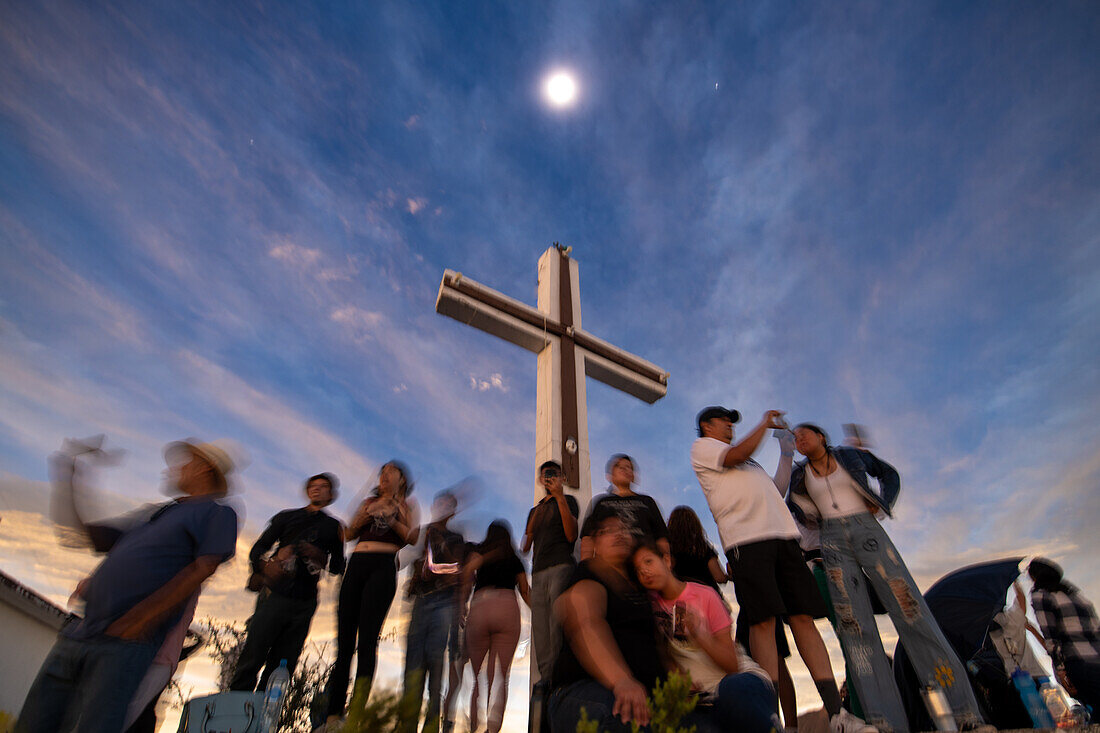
(498, 543)
(404, 486)
(685, 533)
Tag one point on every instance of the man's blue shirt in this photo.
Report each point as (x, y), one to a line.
(149, 555)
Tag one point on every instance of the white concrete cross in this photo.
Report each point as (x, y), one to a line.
(566, 354)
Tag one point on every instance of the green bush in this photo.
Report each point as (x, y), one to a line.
(670, 702)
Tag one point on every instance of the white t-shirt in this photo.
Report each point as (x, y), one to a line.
(835, 495)
(743, 499)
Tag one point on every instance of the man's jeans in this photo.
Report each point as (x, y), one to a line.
(858, 541)
(546, 586)
(429, 625)
(85, 686)
(276, 631)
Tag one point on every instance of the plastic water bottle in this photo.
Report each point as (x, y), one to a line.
(936, 704)
(274, 696)
(1033, 701)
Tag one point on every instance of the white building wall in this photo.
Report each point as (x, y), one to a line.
(24, 643)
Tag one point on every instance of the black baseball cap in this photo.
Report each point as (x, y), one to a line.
(709, 413)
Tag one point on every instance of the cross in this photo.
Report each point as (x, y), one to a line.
(566, 354)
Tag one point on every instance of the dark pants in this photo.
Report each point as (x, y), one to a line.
(370, 583)
(277, 631)
(1085, 676)
(743, 704)
(85, 686)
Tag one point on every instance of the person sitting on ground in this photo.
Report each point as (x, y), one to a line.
(696, 626)
(1070, 629)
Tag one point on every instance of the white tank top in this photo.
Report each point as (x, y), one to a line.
(836, 495)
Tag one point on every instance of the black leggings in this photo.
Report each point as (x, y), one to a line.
(370, 583)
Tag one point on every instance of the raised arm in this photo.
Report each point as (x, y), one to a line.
(742, 451)
(782, 476)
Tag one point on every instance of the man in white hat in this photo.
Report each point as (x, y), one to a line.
(134, 597)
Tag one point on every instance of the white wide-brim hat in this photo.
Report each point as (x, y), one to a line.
(226, 456)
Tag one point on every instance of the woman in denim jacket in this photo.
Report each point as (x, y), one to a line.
(830, 492)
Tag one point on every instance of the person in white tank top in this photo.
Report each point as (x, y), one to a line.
(830, 491)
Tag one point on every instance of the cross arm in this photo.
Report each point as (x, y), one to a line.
(620, 369)
(493, 312)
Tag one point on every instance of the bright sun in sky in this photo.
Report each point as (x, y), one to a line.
(560, 89)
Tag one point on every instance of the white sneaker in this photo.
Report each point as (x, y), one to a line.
(845, 722)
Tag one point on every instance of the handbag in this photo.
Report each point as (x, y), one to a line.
(225, 712)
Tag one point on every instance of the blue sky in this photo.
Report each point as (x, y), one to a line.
(230, 219)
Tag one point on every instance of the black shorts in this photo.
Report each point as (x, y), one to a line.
(742, 637)
(771, 579)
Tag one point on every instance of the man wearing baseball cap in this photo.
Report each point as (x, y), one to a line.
(305, 541)
(154, 565)
(760, 539)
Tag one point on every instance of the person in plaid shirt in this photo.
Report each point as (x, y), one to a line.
(1070, 629)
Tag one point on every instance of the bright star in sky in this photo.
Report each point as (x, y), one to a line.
(560, 89)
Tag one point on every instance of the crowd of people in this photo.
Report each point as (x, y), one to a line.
(618, 601)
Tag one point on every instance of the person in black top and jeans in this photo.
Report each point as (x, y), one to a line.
(552, 530)
(305, 541)
(433, 588)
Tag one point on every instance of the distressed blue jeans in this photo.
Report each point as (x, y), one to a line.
(426, 646)
(858, 541)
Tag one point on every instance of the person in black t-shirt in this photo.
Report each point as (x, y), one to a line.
(639, 512)
(692, 556)
(552, 530)
(305, 541)
(492, 624)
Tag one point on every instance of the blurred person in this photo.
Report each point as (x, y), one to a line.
(830, 491)
(385, 522)
(457, 657)
(695, 624)
(552, 531)
(156, 561)
(141, 715)
(306, 540)
(760, 539)
(1071, 633)
(492, 622)
(639, 512)
(433, 587)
